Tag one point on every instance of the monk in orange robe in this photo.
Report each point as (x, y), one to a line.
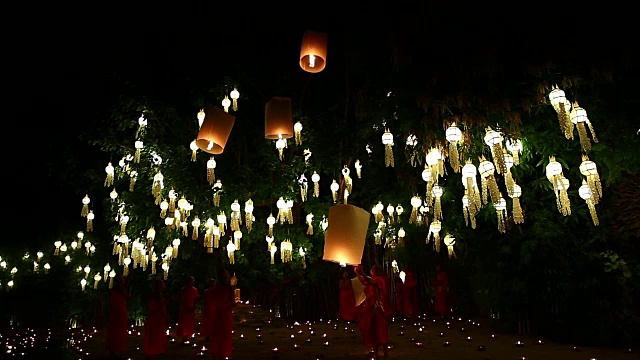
(208, 316)
(221, 332)
(347, 309)
(155, 337)
(187, 313)
(117, 331)
(373, 323)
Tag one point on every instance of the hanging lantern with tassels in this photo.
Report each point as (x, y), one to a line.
(450, 241)
(516, 192)
(494, 139)
(215, 131)
(586, 194)
(589, 169)
(453, 136)
(85, 206)
(501, 211)
(387, 141)
(579, 117)
(562, 106)
(313, 52)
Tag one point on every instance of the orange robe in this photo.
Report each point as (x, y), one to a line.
(347, 301)
(410, 303)
(155, 337)
(221, 332)
(373, 322)
(442, 293)
(117, 331)
(187, 314)
(208, 316)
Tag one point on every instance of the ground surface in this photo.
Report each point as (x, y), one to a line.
(342, 341)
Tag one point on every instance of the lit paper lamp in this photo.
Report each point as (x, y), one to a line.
(346, 234)
(215, 131)
(313, 52)
(358, 291)
(278, 119)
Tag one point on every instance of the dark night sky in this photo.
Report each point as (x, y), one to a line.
(59, 66)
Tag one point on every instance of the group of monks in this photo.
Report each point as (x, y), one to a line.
(216, 324)
(373, 311)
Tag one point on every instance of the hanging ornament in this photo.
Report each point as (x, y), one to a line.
(281, 144)
(235, 95)
(303, 257)
(304, 186)
(165, 269)
(508, 177)
(514, 146)
(164, 205)
(399, 211)
(411, 147)
(515, 194)
(172, 201)
(297, 129)
(273, 250)
(248, 214)
(469, 212)
(469, 175)
(560, 185)
(453, 136)
(589, 169)
(85, 206)
(488, 181)
(324, 223)
(215, 234)
(579, 117)
(157, 186)
(358, 167)
(434, 232)
(133, 177)
(586, 194)
(562, 107)
(113, 195)
(348, 182)
(306, 153)
(345, 196)
(108, 182)
(142, 124)
(437, 192)
(211, 168)
(416, 201)
(237, 235)
(494, 139)
(194, 150)
(236, 216)
(286, 251)
(435, 163)
(217, 193)
(315, 178)
(126, 262)
(449, 241)
(123, 224)
(288, 211)
(269, 240)
(282, 210)
(428, 177)
(401, 235)
(501, 211)
(379, 212)
(195, 224)
(138, 145)
(154, 259)
(226, 103)
(175, 244)
(334, 190)
(90, 217)
(271, 220)
(222, 223)
(201, 116)
(387, 141)
(309, 219)
(390, 211)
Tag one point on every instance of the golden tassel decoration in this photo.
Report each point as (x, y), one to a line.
(108, 181)
(518, 217)
(211, 171)
(316, 184)
(248, 214)
(272, 251)
(157, 186)
(434, 230)
(195, 223)
(133, 176)
(217, 191)
(454, 157)
(194, 150)
(586, 193)
(592, 211)
(237, 235)
(584, 139)
(222, 222)
(589, 169)
(358, 169)
(564, 205)
(415, 205)
(309, 219)
(138, 145)
(90, 218)
(498, 158)
(347, 178)
(112, 274)
(437, 209)
(85, 206)
(297, 128)
(235, 95)
(501, 211)
(485, 192)
(387, 141)
(579, 117)
(494, 192)
(450, 241)
(154, 259)
(215, 230)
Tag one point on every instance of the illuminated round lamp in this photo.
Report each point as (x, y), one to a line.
(501, 204)
(379, 206)
(235, 206)
(449, 240)
(557, 96)
(278, 119)
(516, 192)
(399, 209)
(469, 171)
(313, 51)
(437, 191)
(578, 114)
(588, 167)
(215, 131)
(486, 169)
(493, 137)
(453, 133)
(435, 226)
(416, 201)
(508, 160)
(433, 156)
(426, 174)
(554, 168)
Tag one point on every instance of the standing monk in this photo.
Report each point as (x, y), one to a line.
(155, 338)
(117, 331)
(374, 321)
(347, 298)
(187, 313)
(221, 332)
(208, 316)
(410, 306)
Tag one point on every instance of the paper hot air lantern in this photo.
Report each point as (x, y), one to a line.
(346, 234)
(313, 52)
(215, 131)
